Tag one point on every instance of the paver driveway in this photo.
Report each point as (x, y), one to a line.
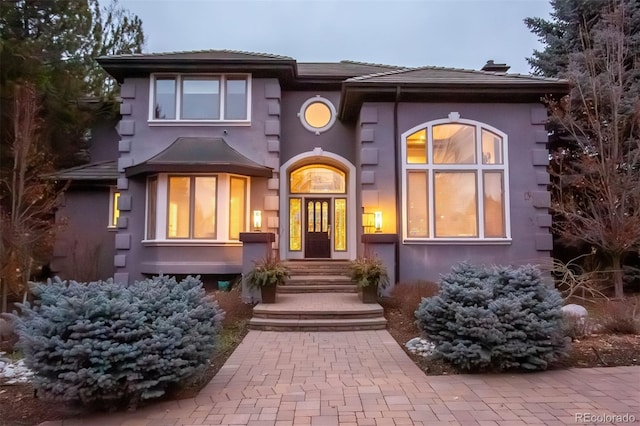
(365, 378)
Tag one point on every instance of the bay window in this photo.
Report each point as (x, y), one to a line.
(455, 181)
(200, 98)
(192, 207)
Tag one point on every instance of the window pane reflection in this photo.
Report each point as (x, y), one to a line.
(317, 179)
(454, 144)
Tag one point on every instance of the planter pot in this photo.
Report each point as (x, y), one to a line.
(369, 294)
(269, 293)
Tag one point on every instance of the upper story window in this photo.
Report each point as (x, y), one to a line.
(455, 182)
(317, 114)
(200, 98)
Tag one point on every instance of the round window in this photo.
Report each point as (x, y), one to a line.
(317, 115)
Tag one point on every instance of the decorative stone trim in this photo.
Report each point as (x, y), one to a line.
(369, 156)
(127, 128)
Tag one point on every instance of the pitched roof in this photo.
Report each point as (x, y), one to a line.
(442, 75)
(99, 171)
(193, 154)
(343, 69)
(210, 54)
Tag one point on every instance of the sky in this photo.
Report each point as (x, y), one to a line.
(448, 33)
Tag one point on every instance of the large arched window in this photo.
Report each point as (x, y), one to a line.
(317, 178)
(455, 180)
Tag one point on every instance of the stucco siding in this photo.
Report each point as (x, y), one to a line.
(141, 140)
(529, 226)
(297, 140)
(84, 245)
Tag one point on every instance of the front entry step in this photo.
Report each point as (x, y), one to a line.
(318, 284)
(318, 312)
(270, 324)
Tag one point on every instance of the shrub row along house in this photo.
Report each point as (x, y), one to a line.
(426, 166)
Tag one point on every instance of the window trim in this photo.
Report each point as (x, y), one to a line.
(223, 182)
(313, 100)
(479, 168)
(179, 78)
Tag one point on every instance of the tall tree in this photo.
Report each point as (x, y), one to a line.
(47, 51)
(27, 199)
(596, 130)
(53, 44)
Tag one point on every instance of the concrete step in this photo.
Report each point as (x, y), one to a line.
(328, 311)
(340, 324)
(319, 279)
(318, 288)
(311, 267)
(363, 310)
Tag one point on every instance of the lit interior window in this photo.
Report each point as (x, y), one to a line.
(317, 114)
(317, 179)
(115, 214)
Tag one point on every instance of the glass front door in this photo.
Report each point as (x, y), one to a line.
(318, 228)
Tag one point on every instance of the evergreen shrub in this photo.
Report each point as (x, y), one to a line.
(105, 344)
(495, 318)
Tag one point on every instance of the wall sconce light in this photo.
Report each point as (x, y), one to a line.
(377, 221)
(257, 219)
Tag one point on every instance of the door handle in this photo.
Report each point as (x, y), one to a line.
(328, 230)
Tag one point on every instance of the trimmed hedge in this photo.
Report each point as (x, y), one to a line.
(103, 343)
(501, 318)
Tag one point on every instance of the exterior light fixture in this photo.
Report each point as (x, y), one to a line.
(257, 219)
(377, 221)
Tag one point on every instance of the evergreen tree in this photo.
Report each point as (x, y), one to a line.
(595, 132)
(47, 56)
(501, 318)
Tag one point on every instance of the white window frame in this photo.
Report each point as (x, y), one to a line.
(192, 122)
(477, 168)
(223, 182)
(112, 207)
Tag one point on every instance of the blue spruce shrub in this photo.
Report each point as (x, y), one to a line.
(501, 318)
(103, 343)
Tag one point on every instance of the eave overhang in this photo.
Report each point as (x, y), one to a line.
(199, 155)
(121, 67)
(354, 94)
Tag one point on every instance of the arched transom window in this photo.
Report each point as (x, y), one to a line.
(317, 179)
(454, 182)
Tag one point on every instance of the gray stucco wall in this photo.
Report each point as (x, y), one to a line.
(529, 198)
(84, 245)
(104, 139)
(139, 141)
(296, 139)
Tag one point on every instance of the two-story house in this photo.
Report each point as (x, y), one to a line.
(446, 164)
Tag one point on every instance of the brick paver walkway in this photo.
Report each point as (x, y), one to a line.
(365, 378)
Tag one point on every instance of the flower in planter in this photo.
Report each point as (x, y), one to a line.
(269, 271)
(369, 271)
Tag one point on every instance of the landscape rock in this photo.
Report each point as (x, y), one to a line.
(14, 372)
(575, 310)
(421, 347)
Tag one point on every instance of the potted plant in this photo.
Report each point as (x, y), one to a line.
(369, 273)
(266, 275)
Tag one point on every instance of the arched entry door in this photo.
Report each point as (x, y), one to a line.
(318, 211)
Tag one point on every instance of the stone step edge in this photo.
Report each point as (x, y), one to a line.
(294, 289)
(317, 322)
(373, 312)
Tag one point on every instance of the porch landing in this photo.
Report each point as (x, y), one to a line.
(318, 312)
